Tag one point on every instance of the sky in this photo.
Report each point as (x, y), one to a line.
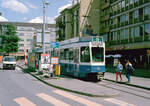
(31, 10)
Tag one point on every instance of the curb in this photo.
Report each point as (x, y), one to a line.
(69, 90)
(146, 88)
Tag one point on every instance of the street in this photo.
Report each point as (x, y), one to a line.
(18, 88)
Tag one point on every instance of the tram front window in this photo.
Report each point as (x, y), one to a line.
(97, 54)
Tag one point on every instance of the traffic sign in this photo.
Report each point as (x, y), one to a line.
(54, 45)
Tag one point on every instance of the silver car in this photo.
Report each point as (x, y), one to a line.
(9, 62)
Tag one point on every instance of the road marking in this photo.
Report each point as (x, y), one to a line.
(22, 101)
(52, 100)
(76, 98)
(118, 102)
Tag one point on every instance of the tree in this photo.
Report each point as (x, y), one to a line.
(9, 39)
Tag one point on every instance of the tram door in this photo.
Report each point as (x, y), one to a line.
(76, 60)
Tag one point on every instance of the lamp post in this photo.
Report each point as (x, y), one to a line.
(44, 18)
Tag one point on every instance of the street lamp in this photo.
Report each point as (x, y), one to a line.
(44, 18)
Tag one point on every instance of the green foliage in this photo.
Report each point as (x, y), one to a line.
(9, 40)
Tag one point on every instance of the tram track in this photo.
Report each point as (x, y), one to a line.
(129, 90)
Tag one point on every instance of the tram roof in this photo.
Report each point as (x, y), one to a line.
(79, 39)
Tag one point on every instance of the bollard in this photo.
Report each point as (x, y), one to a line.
(57, 70)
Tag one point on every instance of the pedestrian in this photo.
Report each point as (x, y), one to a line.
(119, 69)
(129, 70)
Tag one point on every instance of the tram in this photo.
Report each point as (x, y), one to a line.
(83, 57)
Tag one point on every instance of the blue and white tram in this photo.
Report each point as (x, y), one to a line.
(83, 57)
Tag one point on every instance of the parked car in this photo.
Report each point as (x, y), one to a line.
(9, 62)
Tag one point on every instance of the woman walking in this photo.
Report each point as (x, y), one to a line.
(129, 70)
(119, 69)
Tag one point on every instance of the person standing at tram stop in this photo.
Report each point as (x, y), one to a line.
(129, 70)
(119, 69)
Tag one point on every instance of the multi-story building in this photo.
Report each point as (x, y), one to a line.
(125, 25)
(30, 35)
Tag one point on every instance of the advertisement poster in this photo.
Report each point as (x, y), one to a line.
(45, 61)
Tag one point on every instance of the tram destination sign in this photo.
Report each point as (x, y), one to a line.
(97, 39)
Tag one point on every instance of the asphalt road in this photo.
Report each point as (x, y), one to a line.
(18, 88)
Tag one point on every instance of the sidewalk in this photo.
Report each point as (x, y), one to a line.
(143, 82)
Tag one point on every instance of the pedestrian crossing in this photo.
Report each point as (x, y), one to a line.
(24, 101)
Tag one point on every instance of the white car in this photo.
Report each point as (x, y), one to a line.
(9, 62)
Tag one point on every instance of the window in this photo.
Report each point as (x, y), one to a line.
(119, 6)
(85, 54)
(141, 30)
(126, 34)
(97, 54)
(114, 36)
(21, 50)
(105, 37)
(29, 39)
(21, 34)
(127, 2)
(131, 1)
(132, 32)
(136, 30)
(122, 34)
(21, 45)
(136, 14)
(22, 39)
(122, 18)
(123, 4)
(66, 54)
(146, 29)
(62, 55)
(147, 11)
(71, 54)
(127, 17)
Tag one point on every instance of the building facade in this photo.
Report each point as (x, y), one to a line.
(30, 35)
(125, 26)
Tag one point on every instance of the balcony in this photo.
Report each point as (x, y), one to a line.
(105, 5)
(141, 2)
(136, 4)
(105, 30)
(141, 19)
(146, 1)
(138, 39)
(105, 18)
(146, 17)
(131, 6)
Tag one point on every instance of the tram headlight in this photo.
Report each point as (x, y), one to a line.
(98, 68)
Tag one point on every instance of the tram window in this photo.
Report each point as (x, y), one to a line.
(66, 52)
(62, 54)
(85, 54)
(97, 54)
(71, 55)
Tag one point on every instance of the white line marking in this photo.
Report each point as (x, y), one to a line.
(52, 100)
(118, 102)
(76, 98)
(22, 101)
